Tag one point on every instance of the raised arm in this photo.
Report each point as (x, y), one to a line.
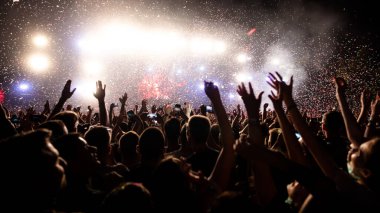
(66, 94)
(264, 182)
(100, 94)
(323, 159)
(373, 118)
(225, 163)
(353, 130)
(365, 103)
(293, 147)
(7, 129)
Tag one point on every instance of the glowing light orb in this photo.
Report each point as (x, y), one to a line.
(40, 41)
(92, 67)
(38, 62)
(23, 86)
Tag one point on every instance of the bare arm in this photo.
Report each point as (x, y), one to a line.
(100, 95)
(293, 147)
(66, 94)
(226, 160)
(353, 130)
(264, 182)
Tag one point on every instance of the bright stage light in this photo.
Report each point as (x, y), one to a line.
(243, 77)
(23, 86)
(242, 58)
(92, 67)
(275, 61)
(85, 89)
(40, 41)
(117, 38)
(38, 62)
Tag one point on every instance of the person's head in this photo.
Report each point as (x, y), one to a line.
(152, 144)
(128, 197)
(198, 129)
(332, 124)
(215, 133)
(230, 201)
(128, 143)
(364, 163)
(203, 109)
(31, 169)
(172, 129)
(183, 137)
(99, 137)
(81, 158)
(57, 127)
(70, 119)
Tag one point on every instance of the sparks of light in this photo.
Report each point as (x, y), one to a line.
(231, 95)
(40, 41)
(201, 86)
(38, 62)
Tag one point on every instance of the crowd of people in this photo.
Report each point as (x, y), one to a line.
(191, 159)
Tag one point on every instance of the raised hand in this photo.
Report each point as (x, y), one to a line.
(123, 98)
(100, 91)
(90, 109)
(340, 84)
(375, 106)
(66, 93)
(212, 91)
(252, 104)
(365, 98)
(276, 100)
(153, 109)
(284, 90)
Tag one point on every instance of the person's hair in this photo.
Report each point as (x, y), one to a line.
(57, 127)
(231, 201)
(372, 162)
(128, 143)
(215, 131)
(333, 122)
(69, 118)
(67, 146)
(199, 128)
(99, 137)
(128, 197)
(172, 128)
(152, 143)
(183, 137)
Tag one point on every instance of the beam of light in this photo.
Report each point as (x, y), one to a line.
(38, 62)
(40, 41)
(120, 39)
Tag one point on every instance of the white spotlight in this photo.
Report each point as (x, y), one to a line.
(38, 62)
(275, 61)
(242, 58)
(40, 41)
(92, 67)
